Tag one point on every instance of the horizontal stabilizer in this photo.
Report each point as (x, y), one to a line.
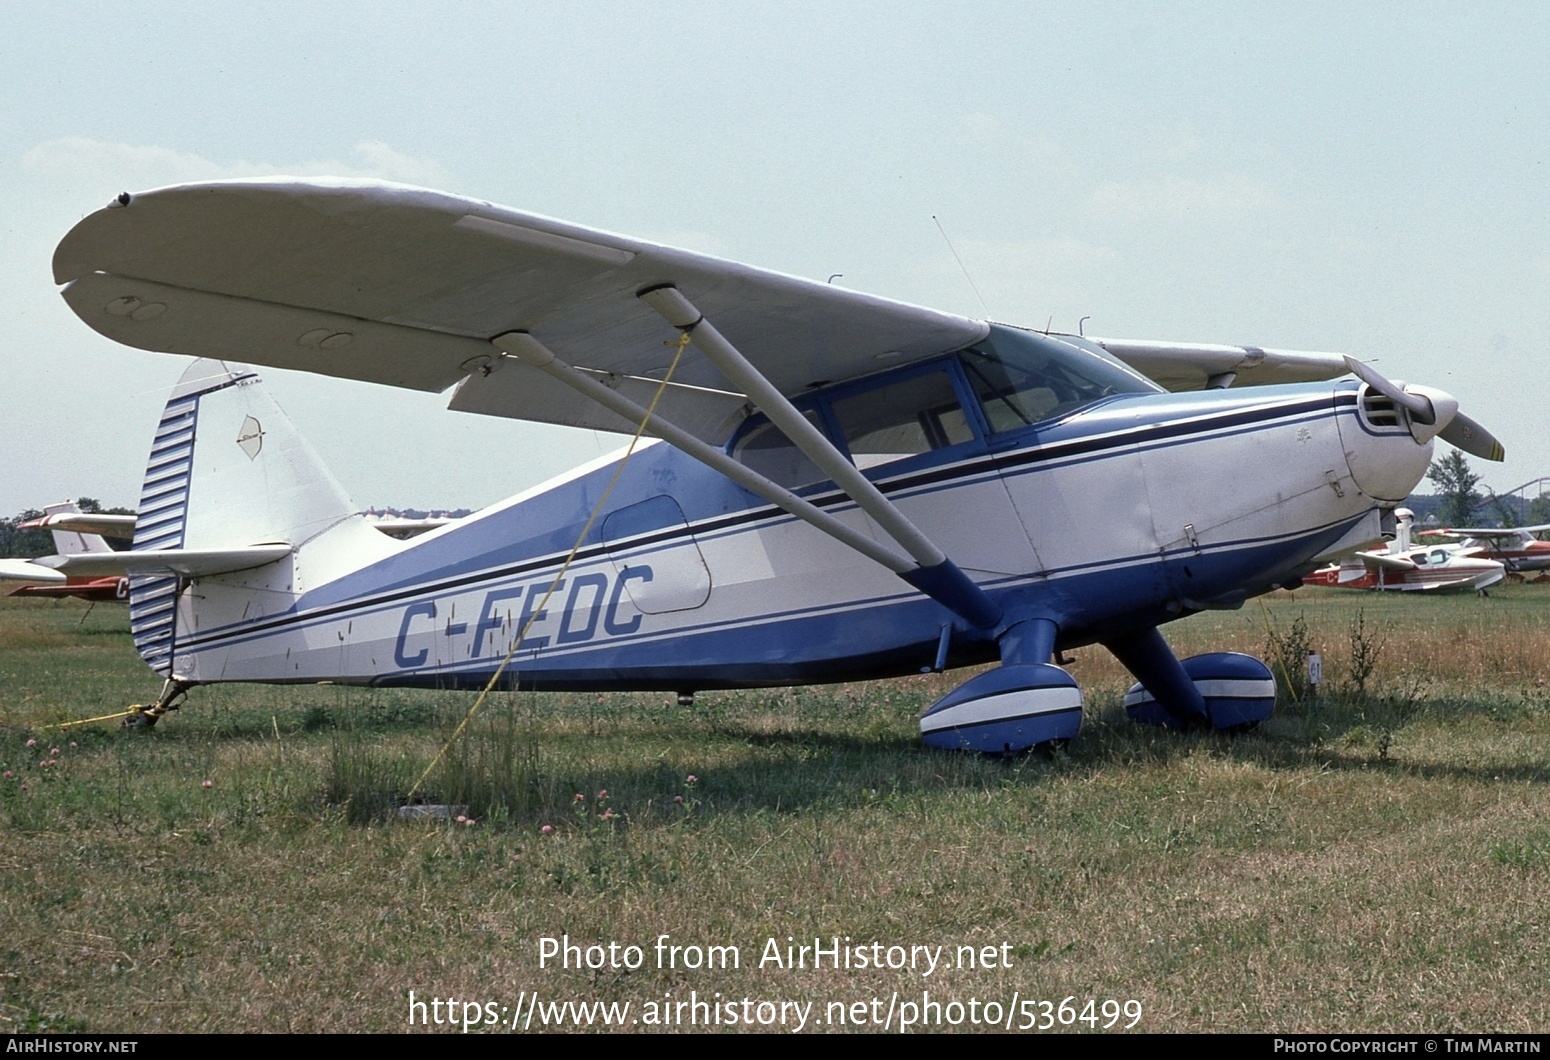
(122, 526)
(188, 562)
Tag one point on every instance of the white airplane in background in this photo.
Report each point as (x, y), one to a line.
(1514, 547)
(850, 488)
(1407, 567)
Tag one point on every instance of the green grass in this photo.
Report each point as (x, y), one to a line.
(1367, 860)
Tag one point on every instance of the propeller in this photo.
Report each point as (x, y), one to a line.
(1433, 414)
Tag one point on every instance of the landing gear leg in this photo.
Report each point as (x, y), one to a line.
(172, 695)
(1025, 702)
(1148, 657)
(1224, 690)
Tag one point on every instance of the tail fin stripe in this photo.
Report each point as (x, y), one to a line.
(181, 459)
(173, 428)
(184, 450)
(154, 512)
(161, 541)
(181, 440)
(162, 602)
(153, 526)
(161, 494)
(153, 595)
(183, 434)
(163, 508)
(151, 616)
(161, 476)
(168, 485)
(174, 425)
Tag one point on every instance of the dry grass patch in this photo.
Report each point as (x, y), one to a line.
(1371, 861)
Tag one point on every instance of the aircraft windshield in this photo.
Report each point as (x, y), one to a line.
(1022, 378)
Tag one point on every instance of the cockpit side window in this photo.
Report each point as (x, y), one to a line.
(1022, 379)
(912, 416)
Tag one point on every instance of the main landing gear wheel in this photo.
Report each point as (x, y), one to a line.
(1006, 711)
(1239, 693)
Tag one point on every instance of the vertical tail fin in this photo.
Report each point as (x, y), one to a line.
(71, 542)
(226, 470)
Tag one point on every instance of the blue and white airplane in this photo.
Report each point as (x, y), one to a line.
(838, 486)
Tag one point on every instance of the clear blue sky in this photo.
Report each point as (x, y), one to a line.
(1368, 178)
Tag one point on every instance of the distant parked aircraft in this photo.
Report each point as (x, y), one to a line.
(1404, 567)
(76, 533)
(1516, 548)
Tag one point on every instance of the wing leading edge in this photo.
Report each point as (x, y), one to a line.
(406, 287)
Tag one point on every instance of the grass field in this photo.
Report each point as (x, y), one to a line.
(1374, 858)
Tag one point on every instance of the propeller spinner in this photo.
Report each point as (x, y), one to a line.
(1433, 414)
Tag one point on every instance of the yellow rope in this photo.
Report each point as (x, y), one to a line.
(683, 340)
(88, 721)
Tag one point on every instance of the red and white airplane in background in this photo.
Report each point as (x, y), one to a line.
(1404, 567)
(1515, 548)
(76, 533)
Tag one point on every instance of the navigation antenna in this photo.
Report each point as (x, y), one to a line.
(961, 265)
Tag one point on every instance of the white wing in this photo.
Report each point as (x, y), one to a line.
(404, 286)
(1194, 366)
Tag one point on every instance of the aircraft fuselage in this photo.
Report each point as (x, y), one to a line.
(1128, 513)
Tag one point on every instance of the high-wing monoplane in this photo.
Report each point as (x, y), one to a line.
(840, 486)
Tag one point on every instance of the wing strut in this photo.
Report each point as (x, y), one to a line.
(530, 351)
(935, 575)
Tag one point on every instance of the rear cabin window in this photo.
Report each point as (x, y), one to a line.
(767, 450)
(902, 419)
